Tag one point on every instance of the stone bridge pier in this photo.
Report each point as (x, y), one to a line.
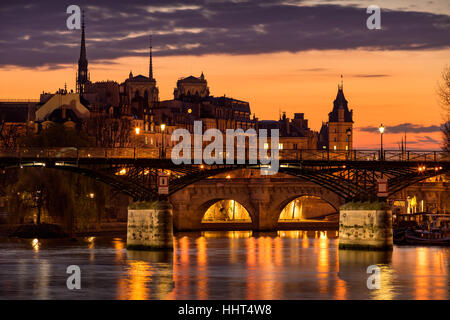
(263, 198)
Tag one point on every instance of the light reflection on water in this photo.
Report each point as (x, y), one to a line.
(221, 265)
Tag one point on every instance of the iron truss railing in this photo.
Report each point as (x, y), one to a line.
(284, 154)
(350, 174)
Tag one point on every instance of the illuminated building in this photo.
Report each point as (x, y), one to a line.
(337, 133)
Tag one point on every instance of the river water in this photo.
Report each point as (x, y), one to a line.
(221, 265)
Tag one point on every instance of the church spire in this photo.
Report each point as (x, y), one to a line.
(83, 40)
(150, 69)
(83, 76)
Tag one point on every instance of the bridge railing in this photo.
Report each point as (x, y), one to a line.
(425, 156)
(330, 155)
(284, 154)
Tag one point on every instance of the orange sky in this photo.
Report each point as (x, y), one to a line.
(292, 82)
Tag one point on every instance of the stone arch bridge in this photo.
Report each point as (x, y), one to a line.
(263, 198)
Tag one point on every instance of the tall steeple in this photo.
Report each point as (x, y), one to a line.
(83, 76)
(150, 69)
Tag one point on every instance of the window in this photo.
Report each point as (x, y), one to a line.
(295, 146)
(346, 147)
(266, 146)
(334, 148)
(280, 146)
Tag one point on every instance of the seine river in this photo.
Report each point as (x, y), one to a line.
(221, 265)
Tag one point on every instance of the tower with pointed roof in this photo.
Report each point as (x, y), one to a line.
(139, 94)
(150, 68)
(82, 75)
(340, 123)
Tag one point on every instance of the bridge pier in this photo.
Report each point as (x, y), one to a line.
(262, 217)
(150, 226)
(365, 226)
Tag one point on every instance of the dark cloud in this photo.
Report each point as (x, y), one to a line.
(34, 33)
(404, 127)
(371, 75)
(424, 140)
(312, 69)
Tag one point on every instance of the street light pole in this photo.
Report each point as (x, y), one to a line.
(381, 129)
(349, 133)
(163, 126)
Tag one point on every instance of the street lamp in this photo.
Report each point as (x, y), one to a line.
(349, 133)
(381, 129)
(163, 126)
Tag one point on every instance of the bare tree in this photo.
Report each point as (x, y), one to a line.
(110, 132)
(444, 99)
(9, 134)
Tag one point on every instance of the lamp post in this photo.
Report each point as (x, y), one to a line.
(137, 131)
(349, 133)
(381, 129)
(163, 126)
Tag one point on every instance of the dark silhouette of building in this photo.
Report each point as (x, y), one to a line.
(294, 133)
(193, 102)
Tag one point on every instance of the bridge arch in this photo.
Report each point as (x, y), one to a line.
(263, 201)
(225, 210)
(305, 207)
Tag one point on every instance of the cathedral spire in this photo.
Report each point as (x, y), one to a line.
(150, 69)
(83, 76)
(83, 40)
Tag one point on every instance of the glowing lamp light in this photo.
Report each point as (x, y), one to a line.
(137, 130)
(228, 177)
(381, 128)
(163, 126)
(91, 195)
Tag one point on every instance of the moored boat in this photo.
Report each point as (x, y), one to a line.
(426, 237)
